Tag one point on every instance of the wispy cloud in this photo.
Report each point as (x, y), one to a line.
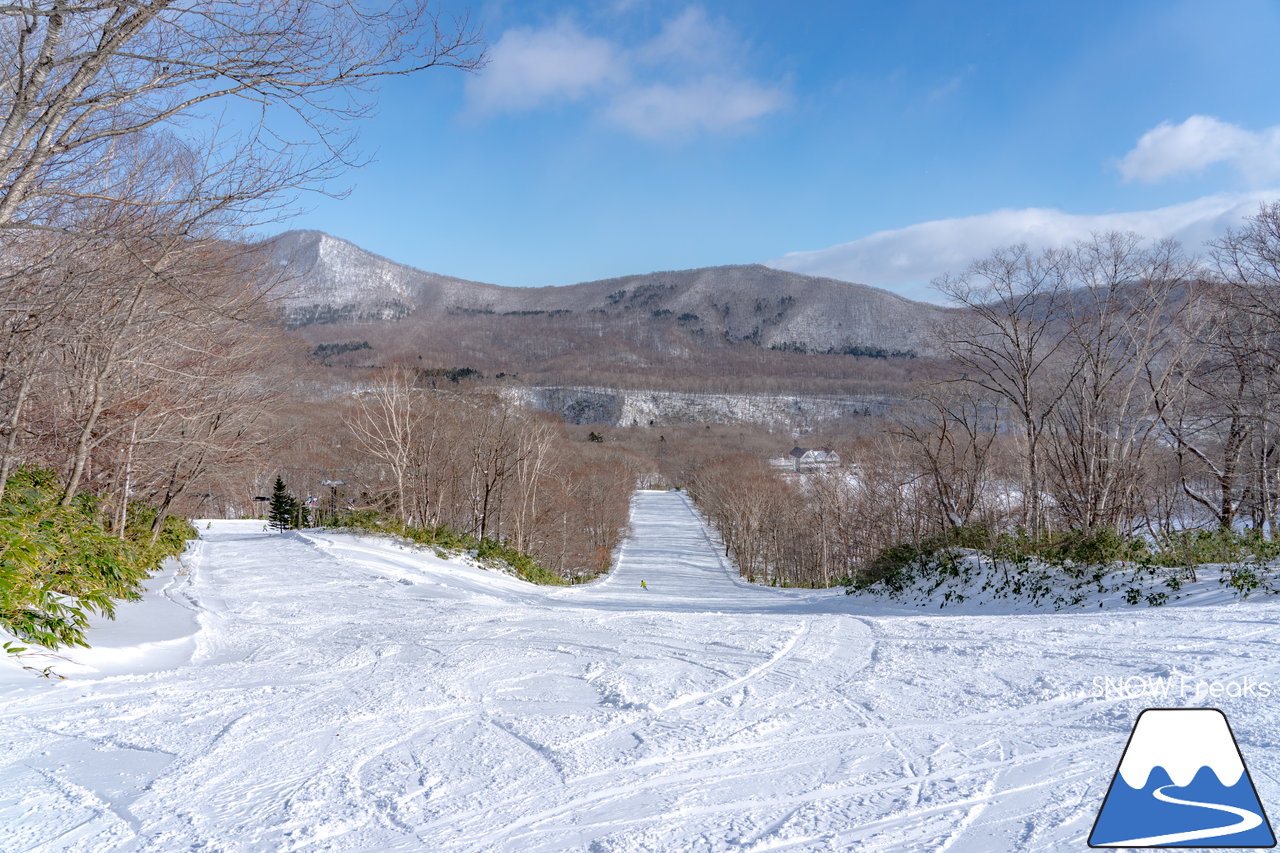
(690, 40)
(529, 67)
(1169, 150)
(663, 110)
(950, 86)
(686, 79)
(907, 259)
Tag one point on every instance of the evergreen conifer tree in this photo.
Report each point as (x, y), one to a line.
(282, 507)
(301, 516)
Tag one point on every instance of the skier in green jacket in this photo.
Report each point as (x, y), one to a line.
(643, 585)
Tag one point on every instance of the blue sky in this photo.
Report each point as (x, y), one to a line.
(877, 142)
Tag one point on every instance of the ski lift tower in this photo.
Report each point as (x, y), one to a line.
(333, 497)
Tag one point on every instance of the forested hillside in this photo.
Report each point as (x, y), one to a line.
(745, 328)
(1111, 402)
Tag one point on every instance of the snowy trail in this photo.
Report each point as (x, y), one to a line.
(328, 692)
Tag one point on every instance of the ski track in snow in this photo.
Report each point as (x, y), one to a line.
(329, 692)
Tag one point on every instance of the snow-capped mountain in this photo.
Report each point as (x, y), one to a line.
(328, 280)
(1181, 741)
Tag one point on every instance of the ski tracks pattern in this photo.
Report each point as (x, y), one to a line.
(348, 694)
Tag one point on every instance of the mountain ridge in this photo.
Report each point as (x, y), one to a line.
(748, 325)
(336, 281)
(298, 233)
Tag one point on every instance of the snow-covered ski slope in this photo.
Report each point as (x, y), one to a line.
(325, 692)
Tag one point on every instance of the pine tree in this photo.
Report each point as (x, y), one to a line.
(282, 507)
(301, 516)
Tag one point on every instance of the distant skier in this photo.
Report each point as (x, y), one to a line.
(643, 585)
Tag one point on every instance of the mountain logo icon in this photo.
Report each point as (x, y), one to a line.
(1182, 782)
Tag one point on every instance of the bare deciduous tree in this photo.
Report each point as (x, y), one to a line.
(84, 77)
(953, 431)
(1119, 328)
(1006, 345)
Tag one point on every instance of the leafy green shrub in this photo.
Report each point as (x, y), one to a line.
(59, 564)
(492, 550)
(172, 539)
(1057, 569)
(900, 566)
(1203, 547)
(1102, 547)
(1092, 548)
(1245, 557)
(447, 540)
(895, 567)
(1248, 577)
(975, 536)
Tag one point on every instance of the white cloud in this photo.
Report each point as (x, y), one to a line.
(663, 111)
(684, 80)
(689, 39)
(529, 67)
(907, 259)
(1201, 141)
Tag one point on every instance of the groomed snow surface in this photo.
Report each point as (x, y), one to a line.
(327, 692)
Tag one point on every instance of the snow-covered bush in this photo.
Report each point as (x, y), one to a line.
(1065, 570)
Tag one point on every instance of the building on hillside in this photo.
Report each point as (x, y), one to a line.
(810, 458)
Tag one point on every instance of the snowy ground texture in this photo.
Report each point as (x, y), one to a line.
(325, 692)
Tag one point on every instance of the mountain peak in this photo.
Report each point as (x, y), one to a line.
(1181, 741)
(334, 281)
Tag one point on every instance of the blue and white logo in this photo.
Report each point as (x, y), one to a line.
(1182, 783)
